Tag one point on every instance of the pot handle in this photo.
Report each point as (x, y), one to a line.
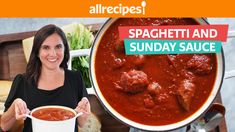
(231, 34)
(29, 116)
(229, 74)
(78, 114)
(210, 120)
(91, 91)
(77, 53)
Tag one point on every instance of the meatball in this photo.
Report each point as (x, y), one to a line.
(154, 88)
(200, 64)
(133, 81)
(185, 94)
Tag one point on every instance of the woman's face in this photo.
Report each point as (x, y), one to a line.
(51, 52)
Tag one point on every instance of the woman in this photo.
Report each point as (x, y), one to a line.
(47, 81)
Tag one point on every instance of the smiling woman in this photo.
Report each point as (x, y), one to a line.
(51, 52)
(47, 81)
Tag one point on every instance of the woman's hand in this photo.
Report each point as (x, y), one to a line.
(17, 111)
(20, 109)
(84, 107)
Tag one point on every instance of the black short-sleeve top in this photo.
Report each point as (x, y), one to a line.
(67, 95)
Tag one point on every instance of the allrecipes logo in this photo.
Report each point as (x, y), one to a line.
(118, 9)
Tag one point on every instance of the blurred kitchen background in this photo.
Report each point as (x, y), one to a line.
(15, 25)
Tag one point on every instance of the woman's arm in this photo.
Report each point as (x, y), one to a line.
(84, 107)
(16, 111)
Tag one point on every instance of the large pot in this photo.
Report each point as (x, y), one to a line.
(39, 125)
(114, 113)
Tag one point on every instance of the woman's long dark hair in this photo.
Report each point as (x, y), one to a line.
(33, 69)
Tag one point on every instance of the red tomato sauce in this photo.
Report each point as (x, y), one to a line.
(53, 114)
(153, 89)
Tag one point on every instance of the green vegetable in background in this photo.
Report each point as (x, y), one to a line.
(82, 38)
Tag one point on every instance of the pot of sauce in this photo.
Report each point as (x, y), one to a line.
(53, 118)
(153, 92)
